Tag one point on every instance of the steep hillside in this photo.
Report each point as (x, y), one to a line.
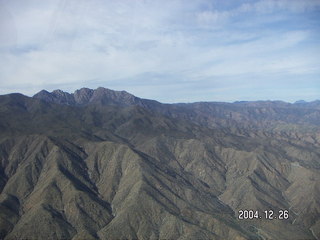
(101, 164)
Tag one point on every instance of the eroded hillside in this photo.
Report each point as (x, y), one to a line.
(107, 165)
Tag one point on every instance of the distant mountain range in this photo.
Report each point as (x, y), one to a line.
(255, 114)
(86, 96)
(104, 164)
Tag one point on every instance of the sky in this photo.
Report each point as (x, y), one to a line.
(166, 50)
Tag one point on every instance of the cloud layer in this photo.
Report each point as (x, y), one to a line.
(166, 50)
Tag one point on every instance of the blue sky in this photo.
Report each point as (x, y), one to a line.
(167, 50)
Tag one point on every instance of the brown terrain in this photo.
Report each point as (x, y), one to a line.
(103, 164)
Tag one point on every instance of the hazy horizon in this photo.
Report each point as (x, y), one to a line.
(169, 51)
(258, 100)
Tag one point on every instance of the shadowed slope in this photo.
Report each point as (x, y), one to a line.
(102, 170)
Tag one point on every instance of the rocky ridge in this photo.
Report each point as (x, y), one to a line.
(108, 165)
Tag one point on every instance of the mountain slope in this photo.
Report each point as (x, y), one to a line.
(116, 167)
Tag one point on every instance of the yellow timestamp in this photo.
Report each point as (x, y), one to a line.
(270, 214)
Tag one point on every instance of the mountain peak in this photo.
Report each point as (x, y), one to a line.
(58, 91)
(83, 95)
(86, 96)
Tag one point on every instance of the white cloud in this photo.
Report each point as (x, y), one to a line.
(75, 43)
